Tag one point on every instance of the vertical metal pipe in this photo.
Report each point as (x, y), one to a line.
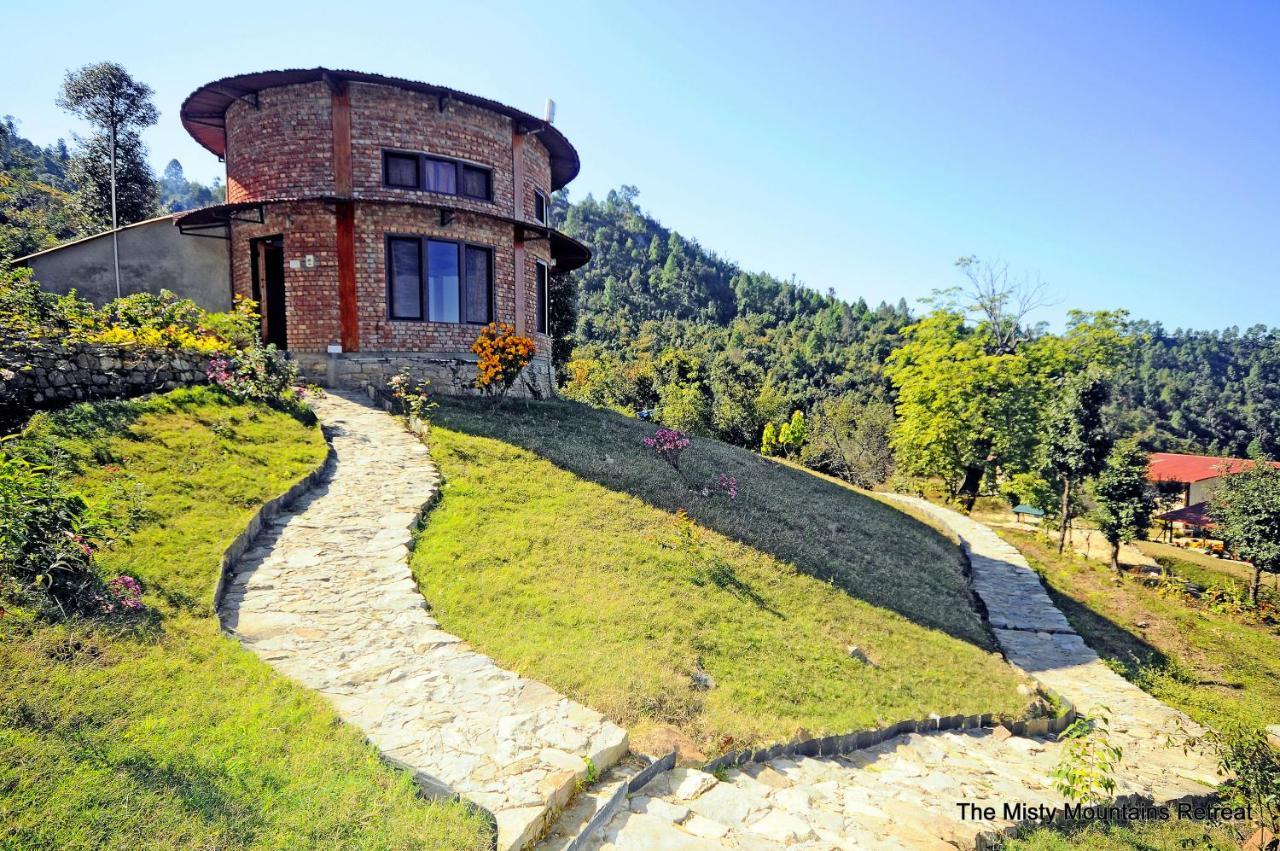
(115, 241)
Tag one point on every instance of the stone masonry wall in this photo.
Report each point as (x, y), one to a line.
(38, 374)
(451, 374)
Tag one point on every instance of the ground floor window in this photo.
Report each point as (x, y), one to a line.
(439, 280)
(542, 299)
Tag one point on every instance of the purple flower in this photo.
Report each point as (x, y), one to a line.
(728, 484)
(127, 593)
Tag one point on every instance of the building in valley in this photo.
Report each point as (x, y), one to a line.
(1187, 482)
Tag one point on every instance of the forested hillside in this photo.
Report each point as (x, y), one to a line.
(1216, 392)
(44, 199)
(663, 323)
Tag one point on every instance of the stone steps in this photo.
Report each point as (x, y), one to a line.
(326, 597)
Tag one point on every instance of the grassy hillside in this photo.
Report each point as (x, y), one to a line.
(558, 549)
(1213, 666)
(175, 737)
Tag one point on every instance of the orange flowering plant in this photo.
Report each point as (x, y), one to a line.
(503, 354)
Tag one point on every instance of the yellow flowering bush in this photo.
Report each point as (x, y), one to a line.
(503, 354)
(168, 337)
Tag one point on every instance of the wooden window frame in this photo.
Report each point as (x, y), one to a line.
(422, 157)
(386, 172)
(539, 195)
(424, 274)
(542, 293)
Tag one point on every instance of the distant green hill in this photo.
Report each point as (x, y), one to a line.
(663, 322)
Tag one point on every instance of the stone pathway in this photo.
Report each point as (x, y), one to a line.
(326, 597)
(904, 793)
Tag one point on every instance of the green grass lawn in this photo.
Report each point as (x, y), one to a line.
(177, 737)
(557, 549)
(1215, 667)
(1172, 835)
(1212, 666)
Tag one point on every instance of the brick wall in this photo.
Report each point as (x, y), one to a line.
(283, 148)
(384, 117)
(311, 295)
(537, 173)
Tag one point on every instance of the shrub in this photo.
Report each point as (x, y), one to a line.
(669, 444)
(258, 374)
(145, 320)
(26, 310)
(1086, 770)
(415, 395)
(48, 537)
(1252, 767)
(503, 354)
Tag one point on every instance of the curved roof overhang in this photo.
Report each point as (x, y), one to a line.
(204, 112)
(566, 252)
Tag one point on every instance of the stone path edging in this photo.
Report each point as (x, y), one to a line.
(902, 792)
(269, 511)
(324, 594)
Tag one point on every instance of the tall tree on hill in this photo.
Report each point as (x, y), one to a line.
(114, 184)
(1246, 510)
(1125, 498)
(1075, 437)
(969, 397)
(965, 411)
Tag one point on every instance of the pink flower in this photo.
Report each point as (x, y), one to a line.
(728, 484)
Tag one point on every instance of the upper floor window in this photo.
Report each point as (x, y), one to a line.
(540, 206)
(542, 297)
(402, 170)
(439, 280)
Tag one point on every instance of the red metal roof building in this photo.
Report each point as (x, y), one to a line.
(1196, 474)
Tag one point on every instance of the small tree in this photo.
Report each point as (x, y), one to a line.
(1075, 442)
(793, 434)
(1246, 510)
(1125, 499)
(769, 441)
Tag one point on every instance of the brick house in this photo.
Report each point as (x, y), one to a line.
(380, 222)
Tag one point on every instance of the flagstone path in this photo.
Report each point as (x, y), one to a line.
(326, 597)
(905, 793)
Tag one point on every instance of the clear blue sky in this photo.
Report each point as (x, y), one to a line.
(1127, 153)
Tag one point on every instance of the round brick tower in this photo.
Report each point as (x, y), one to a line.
(380, 222)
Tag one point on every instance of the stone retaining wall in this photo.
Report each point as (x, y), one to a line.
(39, 374)
(451, 374)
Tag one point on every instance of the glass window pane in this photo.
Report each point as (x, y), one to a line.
(406, 279)
(475, 182)
(402, 170)
(440, 176)
(442, 281)
(477, 284)
(542, 298)
(540, 207)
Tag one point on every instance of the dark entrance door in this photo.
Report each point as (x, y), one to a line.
(267, 264)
